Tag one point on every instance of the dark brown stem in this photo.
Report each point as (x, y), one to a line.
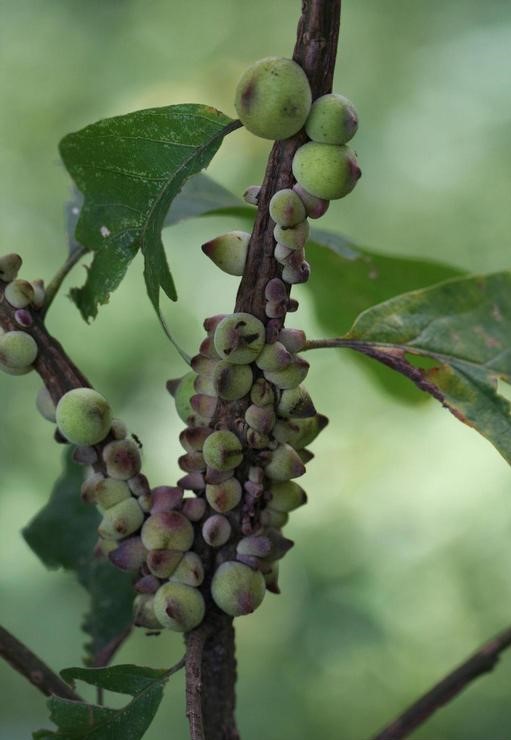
(29, 665)
(481, 662)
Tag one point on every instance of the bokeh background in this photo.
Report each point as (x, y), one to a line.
(402, 562)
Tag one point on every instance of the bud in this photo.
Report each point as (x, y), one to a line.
(272, 518)
(229, 251)
(183, 389)
(275, 290)
(192, 482)
(179, 607)
(256, 440)
(121, 520)
(207, 349)
(271, 578)
(122, 459)
(23, 318)
(39, 293)
(45, 405)
(285, 464)
(222, 450)
(294, 237)
(237, 589)
(305, 456)
(143, 612)
(315, 207)
(216, 530)
(168, 530)
(190, 570)
(139, 485)
(224, 496)
(251, 195)
(280, 545)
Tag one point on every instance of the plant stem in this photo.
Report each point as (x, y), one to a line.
(481, 662)
(53, 286)
(29, 665)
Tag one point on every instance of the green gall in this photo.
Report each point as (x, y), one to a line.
(272, 518)
(256, 440)
(286, 208)
(284, 464)
(222, 450)
(296, 275)
(296, 403)
(167, 530)
(163, 563)
(282, 253)
(192, 462)
(315, 207)
(194, 508)
(182, 390)
(39, 293)
(262, 393)
(165, 498)
(18, 350)
(139, 485)
(260, 418)
(190, 570)
(332, 120)
(83, 416)
(216, 530)
(19, 293)
(122, 459)
(109, 492)
(45, 405)
(237, 589)
(305, 456)
(325, 170)
(179, 607)
(271, 578)
(291, 377)
(232, 382)
(300, 432)
(287, 496)
(118, 430)
(204, 406)
(85, 455)
(143, 612)
(273, 98)
(239, 338)
(121, 520)
(294, 237)
(10, 265)
(224, 496)
(255, 545)
(229, 251)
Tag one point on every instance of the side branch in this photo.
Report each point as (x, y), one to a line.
(29, 665)
(481, 662)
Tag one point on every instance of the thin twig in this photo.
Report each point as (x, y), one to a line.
(481, 662)
(23, 660)
(53, 286)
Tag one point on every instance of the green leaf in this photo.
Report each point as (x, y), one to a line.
(63, 535)
(464, 326)
(201, 196)
(129, 169)
(76, 720)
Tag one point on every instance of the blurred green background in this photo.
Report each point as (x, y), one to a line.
(403, 555)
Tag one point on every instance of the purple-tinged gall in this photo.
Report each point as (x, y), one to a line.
(10, 265)
(168, 530)
(179, 607)
(23, 317)
(207, 349)
(284, 464)
(109, 492)
(148, 584)
(332, 119)
(216, 530)
(274, 357)
(282, 253)
(232, 382)
(306, 456)
(224, 496)
(296, 403)
(237, 589)
(287, 496)
(211, 322)
(83, 416)
(204, 405)
(88, 487)
(271, 578)
(222, 450)
(262, 393)
(229, 251)
(163, 563)
(122, 459)
(275, 290)
(315, 207)
(85, 455)
(182, 390)
(166, 498)
(45, 405)
(256, 545)
(286, 208)
(280, 545)
(273, 98)
(145, 502)
(19, 293)
(18, 350)
(139, 485)
(143, 612)
(193, 508)
(192, 482)
(260, 418)
(239, 338)
(300, 432)
(257, 440)
(121, 520)
(192, 462)
(251, 195)
(39, 293)
(193, 439)
(325, 170)
(129, 555)
(190, 570)
(292, 339)
(296, 275)
(214, 476)
(291, 377)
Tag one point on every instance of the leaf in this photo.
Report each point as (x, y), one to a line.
(129, 169)
(464, 326)
(63, 535)
(76, 720)
(200, 196)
